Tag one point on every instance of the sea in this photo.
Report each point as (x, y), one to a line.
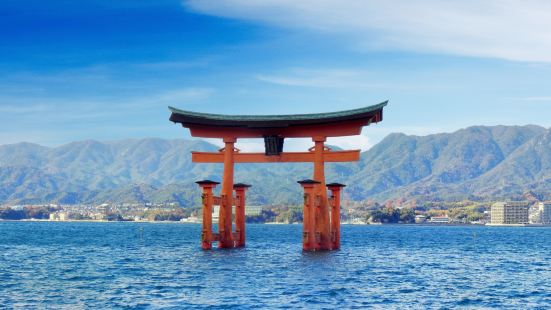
(86, 265)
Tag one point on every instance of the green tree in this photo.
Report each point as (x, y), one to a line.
(407, 215)
(263, 217)
(392, 215)
(11, 214)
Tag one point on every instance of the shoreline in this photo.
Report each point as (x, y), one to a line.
(275, 223)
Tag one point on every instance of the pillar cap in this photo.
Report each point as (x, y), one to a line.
(308, 181)
(335, 185)
(207, 182)
(241, 185)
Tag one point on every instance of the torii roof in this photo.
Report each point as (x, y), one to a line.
(297, 125)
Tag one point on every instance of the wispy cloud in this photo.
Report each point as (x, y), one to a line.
(174, 65)
(361, 142)
(82, 107)
(328, 78)
(182, 95)
(19, 109)
(382, 131)
(41, 137)
(105, 101)
(506, 29)
(536, 98)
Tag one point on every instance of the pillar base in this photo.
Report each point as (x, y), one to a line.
(313, 239)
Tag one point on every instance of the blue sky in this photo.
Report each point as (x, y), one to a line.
(107, 70)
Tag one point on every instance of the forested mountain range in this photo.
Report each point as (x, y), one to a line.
(481, 163)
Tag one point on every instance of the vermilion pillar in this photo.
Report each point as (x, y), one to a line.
(309, 216)
(240, 189)
(322, 211)
(226, 197)
(335, 189)
(208, 200)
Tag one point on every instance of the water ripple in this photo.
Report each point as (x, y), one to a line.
(158, 266)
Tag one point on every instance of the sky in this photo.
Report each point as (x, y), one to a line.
(107, 70)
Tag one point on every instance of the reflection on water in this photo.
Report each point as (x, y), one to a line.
(141, 265)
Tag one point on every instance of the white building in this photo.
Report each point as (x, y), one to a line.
(253, 210)
(540, 213)
(510, 213)
(545, 208)
(249, 211)
(215, 214)
(59, 216)
(439, 220)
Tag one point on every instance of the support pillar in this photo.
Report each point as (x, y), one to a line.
(309, 216)
(226, 197)
(208, 201)
(322, 211)
(240, 189)
(335, 189)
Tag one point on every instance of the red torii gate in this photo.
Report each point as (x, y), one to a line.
(321, 224)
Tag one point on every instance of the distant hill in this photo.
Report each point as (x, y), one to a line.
(477, 163)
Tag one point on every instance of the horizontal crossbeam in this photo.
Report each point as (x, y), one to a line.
(286, 157)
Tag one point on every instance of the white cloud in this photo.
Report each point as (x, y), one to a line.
(41, 137)
(182, 95)
(175, 65)
(540, 98)
(505, 29)
(383, 131)
(329, 78)
(361, 142)
(21, 109)
(250, 145)
(215, 141)
(257, 145)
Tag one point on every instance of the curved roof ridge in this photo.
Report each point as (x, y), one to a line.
(258, 118)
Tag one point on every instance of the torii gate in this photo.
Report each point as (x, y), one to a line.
(321, 224)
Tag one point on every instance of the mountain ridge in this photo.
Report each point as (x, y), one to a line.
(479, 162)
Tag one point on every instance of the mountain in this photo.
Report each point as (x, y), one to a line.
(451, 166)
(477, 163)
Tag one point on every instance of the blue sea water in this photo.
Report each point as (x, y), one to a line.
(158, 266)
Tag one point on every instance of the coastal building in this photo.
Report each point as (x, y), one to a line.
(191, 219)
(420, 218)
(534, 214)
(59, 216)
(540, 213)
(215, 214)
(440, 219)
(249, 211)
(510, 213)
(253, 210)
(99, 216)
(545, 209)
